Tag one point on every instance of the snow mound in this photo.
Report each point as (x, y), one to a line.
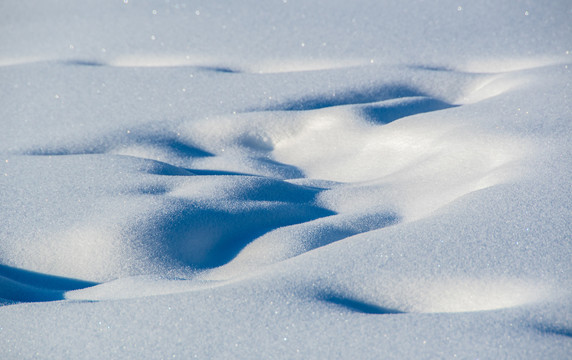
(285, 179)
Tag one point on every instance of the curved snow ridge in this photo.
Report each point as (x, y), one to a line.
(288, 242)
(17, 285)
(439, 295)
(141, 286)
(396, 296)
(271, 66)
(417, 164)
(132, 61)
(286, 65)
(466, 294)
(211, 219)
(124, 216)
(240, 192)
(200, 63)
(204, 63)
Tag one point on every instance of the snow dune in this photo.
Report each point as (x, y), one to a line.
(285, 179)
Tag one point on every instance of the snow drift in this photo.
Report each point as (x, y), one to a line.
(285, 179)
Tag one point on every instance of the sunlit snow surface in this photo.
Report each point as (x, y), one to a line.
(285, 179)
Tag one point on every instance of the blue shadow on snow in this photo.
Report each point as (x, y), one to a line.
(382, 114)
(354, 97)
(18, 285)
(358, 305)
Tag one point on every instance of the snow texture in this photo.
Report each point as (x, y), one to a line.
(285, 179)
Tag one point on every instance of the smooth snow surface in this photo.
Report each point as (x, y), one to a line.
(285, 179)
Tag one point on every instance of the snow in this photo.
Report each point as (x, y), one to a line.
(285, 179)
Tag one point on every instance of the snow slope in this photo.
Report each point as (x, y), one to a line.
(285, 179)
